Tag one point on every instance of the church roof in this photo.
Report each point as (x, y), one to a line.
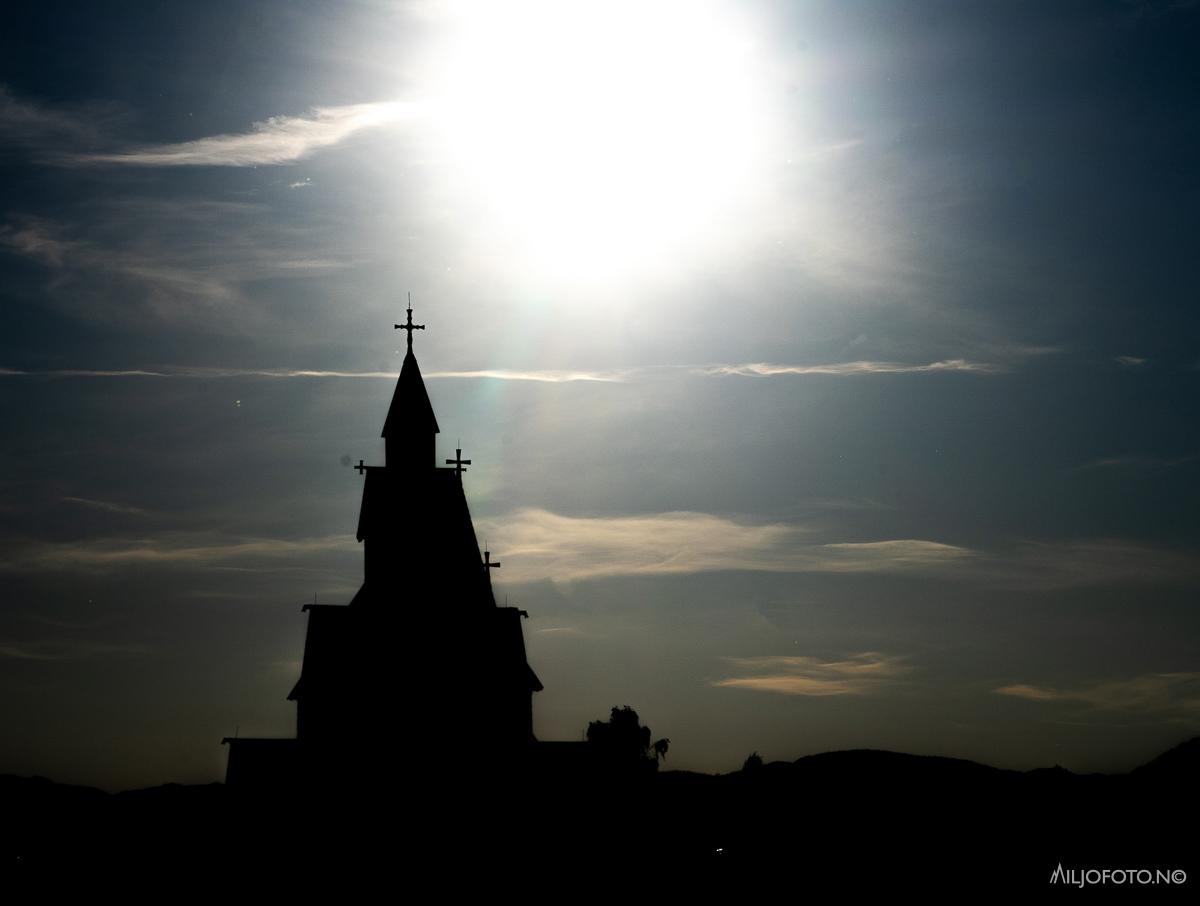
(390, 501)
(532, 679)
(328, 647)
(509, 647)
(373, 509)
(410, 408)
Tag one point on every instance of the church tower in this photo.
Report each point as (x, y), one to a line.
(421, 662)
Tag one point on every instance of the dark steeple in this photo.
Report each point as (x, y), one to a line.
(410, 429)
(376, 688)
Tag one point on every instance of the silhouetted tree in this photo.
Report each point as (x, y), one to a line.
(623, 742)
(660, 749)
(752, 763)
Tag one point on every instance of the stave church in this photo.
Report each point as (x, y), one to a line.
(421, 663)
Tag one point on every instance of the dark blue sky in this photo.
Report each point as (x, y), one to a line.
(830, 370)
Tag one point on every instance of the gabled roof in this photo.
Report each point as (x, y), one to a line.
(410, 408)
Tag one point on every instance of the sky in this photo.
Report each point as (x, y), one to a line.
(829, 370)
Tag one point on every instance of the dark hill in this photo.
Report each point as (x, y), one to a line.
(840, 821)
(1177, 765)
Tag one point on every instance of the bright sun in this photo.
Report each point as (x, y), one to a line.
(601, 136)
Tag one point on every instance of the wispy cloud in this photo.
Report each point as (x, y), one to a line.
(169, 549)
(765, 369)
(24, 122)
(536, 375)
(179, 261)
(544, 545)
(278, 140)
(165, 289)
(1091, 562)
(106, 506)
(192, 373)
(847, 504)
(80, 372)
(885, 556)
(539, 544)
(858, 674)
(548, 376)
(1130, 361)
(831, 149)
(565, 631)
(1026, 350)
(1151, 692)
(72, 136)
(554, 377)
(66, 650)
(547, 545)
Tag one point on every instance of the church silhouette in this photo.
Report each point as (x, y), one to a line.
(422, 663)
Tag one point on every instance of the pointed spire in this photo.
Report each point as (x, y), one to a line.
(410, 410)
(410, 424)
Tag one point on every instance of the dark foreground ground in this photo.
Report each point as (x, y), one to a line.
(843, 822)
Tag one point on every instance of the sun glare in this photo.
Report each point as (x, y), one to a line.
(599, 137)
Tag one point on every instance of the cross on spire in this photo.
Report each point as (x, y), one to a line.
(410, 326)
(487, 561)
(361, 467)
(458, 462)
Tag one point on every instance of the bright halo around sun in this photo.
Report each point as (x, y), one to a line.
(601, 138)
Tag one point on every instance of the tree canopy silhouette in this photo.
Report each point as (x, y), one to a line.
(623, 742)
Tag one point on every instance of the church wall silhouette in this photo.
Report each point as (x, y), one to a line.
(422, 660)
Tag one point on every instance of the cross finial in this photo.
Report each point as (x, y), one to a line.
(410, 326)
(487, 561)
(458, 462)
(361, 467)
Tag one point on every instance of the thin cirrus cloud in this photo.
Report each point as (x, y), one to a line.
(25, 122)
(551, 376)
(547, 376)
(543, 545)
(540, 545)
(765, 369)
(169, 550)
(63, 649)
(864, 673)
(1076, 563)
(1151, 692)
(144, 276)
(81, 372)
(66, 650)
(105, 506)
(277, 140)
(223, 244)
